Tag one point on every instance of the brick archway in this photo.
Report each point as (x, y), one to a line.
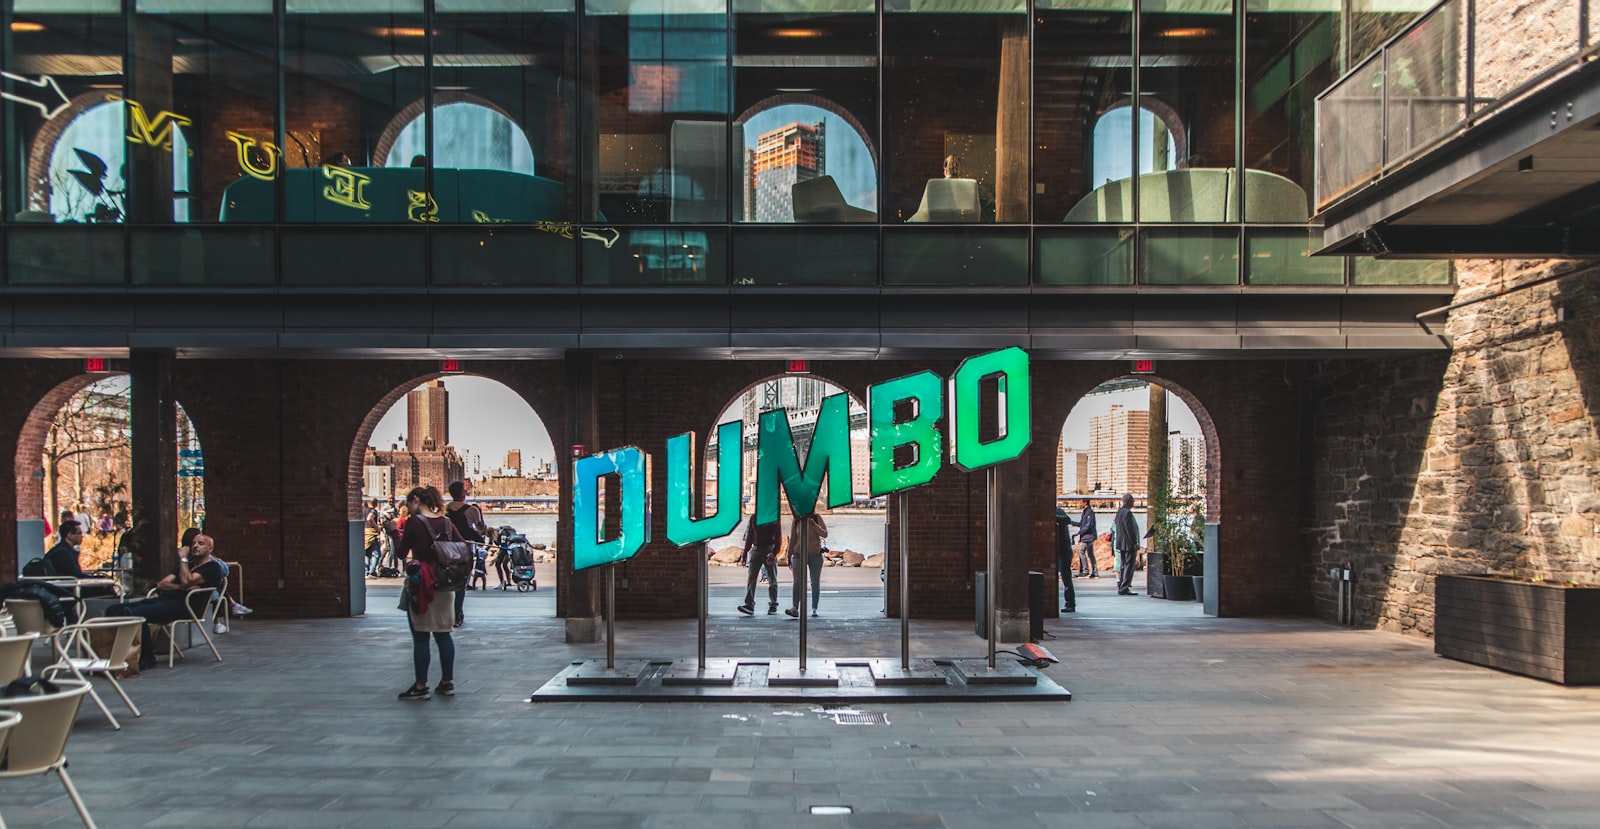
(809, 99)
(31, 440)
(414, 110)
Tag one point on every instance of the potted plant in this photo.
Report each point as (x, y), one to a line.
(1195, 542)
(1168, 544)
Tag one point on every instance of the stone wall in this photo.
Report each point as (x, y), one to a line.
(1485, 461)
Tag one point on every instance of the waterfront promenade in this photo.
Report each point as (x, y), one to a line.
(1177, 720)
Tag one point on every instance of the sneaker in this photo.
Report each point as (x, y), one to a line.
(1094, 575)
(789, 611)
(773, 608)
(416, 693)
(813, 614)
(746, 609)
(220, 628)
(241, 610)
(446, 689)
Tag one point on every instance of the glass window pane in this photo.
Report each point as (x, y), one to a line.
(504, 120)
(656, 256)
(67, 135)
(505, 256)
(1366, 271)
(1290, 58)
(201, 113)
(1374, 21)
(957, 133)
(806, 92)
(214, 256)
(204, 6)
(955, 256)
(808, 256)
(1184, 135)
(1190, 256)
(1282, 256)
(351, 79)
(1083, 139)
(80, 255)
(353, 257)
(354, 6)
(658, 87)
(1085, 256)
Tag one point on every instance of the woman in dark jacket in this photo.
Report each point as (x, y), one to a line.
(430, 611)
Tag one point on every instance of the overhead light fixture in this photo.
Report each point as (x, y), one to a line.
(404, 31)
(26, 26)
(1187, 33)
(795, 33)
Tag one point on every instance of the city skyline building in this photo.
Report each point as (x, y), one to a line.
(1186, 463)
(783, 158)
(1119, 443)
(428, 417)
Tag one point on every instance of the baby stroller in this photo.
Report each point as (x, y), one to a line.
(522, 569)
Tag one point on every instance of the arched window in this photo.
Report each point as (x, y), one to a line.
(1159, 145)
(468, 136)
(88, 168)
(789, 141)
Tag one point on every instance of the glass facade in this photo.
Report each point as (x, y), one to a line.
(673, 142)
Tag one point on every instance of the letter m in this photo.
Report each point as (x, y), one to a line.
(778, 463)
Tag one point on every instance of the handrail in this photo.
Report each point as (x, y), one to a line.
(1426, 85)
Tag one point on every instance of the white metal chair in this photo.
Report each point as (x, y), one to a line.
(28, 616)
(39, 741)
(8, 721)
(201, 622)
(75, 655)
(14, 655)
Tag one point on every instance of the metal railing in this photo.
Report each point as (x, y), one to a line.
(1455, 65)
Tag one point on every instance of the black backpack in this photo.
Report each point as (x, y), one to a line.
(36, 568)
(452, 565)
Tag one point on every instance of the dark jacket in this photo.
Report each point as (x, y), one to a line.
(48, 596)
(1125, 531)
(1085, 525)
(62, 560)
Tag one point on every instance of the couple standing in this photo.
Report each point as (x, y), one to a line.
(761, 552)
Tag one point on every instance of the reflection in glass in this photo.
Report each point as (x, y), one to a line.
(73, 255)
(1085, 256)
(1282, 256)
(1290, 58)
(468, 135)
(89, 161)
(955, 256)
(1083, 58)
(809, 256)
(1190, 256)
(1365, 271)
(1186, 79)
(656, 256)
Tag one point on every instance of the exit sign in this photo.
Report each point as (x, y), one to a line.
(797, 366)
(450, 366)
(1144, 366)
(95, 364)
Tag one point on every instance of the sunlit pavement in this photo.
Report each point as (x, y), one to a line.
(1178, 720)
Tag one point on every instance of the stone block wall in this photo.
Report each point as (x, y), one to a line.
(1485, 461)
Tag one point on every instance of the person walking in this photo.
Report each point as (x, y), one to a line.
(1069, 596)
(372, 538)
(810, 558)
(760, 551)
(468, 520)
(428, 611)
(1087, 564)
(1125, 540)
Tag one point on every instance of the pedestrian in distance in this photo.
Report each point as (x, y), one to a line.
(468, 520)
(1069, 596)
(760, 551)
(1125, 540)
(810, 558)
(429, 612)
(1087, 564)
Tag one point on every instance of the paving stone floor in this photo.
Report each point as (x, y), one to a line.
(1177, 720)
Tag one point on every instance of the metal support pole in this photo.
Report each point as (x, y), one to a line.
(991, 583)
(799, 566)
(905, 582)
(704, 580)
(611, 618)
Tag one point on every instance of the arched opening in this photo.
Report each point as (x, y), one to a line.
(87, 168)
(792, 139)
(1105, 452)
(433, 431)
(1161, 142)
(467, 135)
(74, 460)
(851, 575)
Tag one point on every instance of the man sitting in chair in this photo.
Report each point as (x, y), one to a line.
(199, 570)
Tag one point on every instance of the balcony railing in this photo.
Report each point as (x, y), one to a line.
(1457, 64)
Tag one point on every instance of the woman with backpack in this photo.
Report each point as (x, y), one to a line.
(428, 610)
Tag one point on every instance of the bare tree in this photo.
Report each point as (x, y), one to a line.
(93, 420)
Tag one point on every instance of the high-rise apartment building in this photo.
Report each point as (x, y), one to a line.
(1119, 442)
(1187, 463)
(783, 157)
(1074, 471)
(513, 464)
(428, 417)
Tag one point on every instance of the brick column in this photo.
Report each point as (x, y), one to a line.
(580, 602)
(154, 424)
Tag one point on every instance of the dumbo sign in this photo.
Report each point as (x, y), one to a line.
(921, 398)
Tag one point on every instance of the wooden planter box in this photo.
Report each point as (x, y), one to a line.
(1548, 631)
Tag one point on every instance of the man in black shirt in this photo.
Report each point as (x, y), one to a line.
(199, 570)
